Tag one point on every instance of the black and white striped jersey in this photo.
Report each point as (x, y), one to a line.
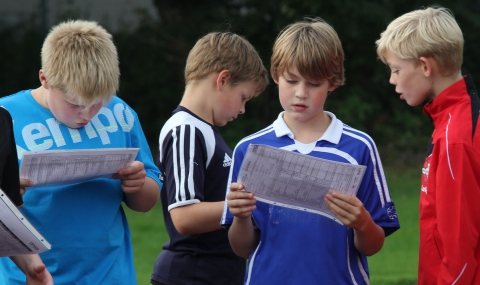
(195, 162)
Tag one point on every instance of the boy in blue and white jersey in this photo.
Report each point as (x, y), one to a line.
(289, 246)
(75, 108)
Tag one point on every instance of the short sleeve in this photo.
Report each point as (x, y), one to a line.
(184, 158)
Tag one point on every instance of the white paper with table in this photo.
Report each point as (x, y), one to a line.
(17, 235)
(295, 180)
(57, 167)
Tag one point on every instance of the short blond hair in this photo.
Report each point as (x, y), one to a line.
(429, 32)
(313, 47)
(219, 51)
(80, 59)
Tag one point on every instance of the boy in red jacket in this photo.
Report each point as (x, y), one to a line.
(424, 50)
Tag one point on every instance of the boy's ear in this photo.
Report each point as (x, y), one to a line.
(427, 65)
(332, 87)
(43, 79)
(222, 79)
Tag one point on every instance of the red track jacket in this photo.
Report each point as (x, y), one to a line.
(450, 192)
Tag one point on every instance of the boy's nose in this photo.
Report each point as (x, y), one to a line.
(301, 92)
(242, 109)
(391, 80)
(87, 115)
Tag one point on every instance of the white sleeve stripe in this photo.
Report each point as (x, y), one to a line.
(191, 185)
(446, 145)
(257, 134)
(349, 266)
(250, 264)
(181, 186)
(379, 162)
(338, 152)
(175, 166)
(179, 163)
(362, 270)
(461, 273)
(223, 220)
(375, 170)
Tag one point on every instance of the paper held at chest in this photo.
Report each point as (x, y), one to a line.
(57, 167)
(293, 180)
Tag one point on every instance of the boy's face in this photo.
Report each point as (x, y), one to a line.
(232, 102)
(409, 79)
(67, 110)
(63, 107)
(302, 99)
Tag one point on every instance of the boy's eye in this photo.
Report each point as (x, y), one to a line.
(314, 84)
(73, 105)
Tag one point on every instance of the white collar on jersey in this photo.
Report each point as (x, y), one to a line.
(332, 134)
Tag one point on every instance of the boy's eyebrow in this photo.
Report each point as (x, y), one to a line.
(290, 76)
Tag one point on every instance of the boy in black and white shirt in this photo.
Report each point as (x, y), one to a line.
(223, 72)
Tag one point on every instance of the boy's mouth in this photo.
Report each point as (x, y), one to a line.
(299, 107)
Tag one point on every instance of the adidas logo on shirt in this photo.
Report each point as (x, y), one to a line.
(227, 161)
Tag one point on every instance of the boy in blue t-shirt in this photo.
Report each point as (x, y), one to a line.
(74, 108)
(289, 246)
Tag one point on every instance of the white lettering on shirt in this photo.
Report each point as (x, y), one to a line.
(42, 136)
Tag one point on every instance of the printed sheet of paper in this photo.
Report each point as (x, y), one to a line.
(17, 235)
(295, 180)
(53, 167)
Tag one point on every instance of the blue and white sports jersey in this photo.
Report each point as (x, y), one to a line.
(299, 247)
(84, 222)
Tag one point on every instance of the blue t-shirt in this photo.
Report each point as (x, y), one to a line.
(84, 222)
(299, 247)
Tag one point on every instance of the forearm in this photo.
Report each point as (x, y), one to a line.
(197, 218)
(146, 198)
(369, 240)
(242, 236)
(25, 261)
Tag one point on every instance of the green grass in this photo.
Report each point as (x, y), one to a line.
(395, 264)
(148, 236)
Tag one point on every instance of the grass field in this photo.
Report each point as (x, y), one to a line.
(396, 264)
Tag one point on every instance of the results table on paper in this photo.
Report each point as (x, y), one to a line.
(57, 167)
(295, 180)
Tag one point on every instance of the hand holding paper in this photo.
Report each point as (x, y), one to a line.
(132, 176)
(240, 203)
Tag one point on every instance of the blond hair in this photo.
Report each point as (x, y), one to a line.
(313, 47)
(430, 32)
(219, 51)
(80, 59)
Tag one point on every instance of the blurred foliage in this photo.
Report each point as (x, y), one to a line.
(152, 60)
